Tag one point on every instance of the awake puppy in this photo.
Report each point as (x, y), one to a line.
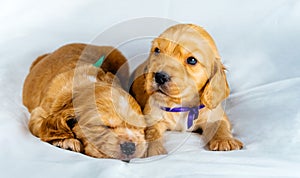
(77, 106)
(181, 86)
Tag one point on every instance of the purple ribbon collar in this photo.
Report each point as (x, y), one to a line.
(193, 112)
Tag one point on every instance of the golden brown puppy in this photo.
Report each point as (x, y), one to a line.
(77, 106)
(181, 87)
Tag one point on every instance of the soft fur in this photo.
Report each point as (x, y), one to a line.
(79, 107)
(189, 85)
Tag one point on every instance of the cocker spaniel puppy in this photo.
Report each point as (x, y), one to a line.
(80, 107)
(181, 86)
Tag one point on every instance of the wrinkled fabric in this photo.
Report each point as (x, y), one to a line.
(258, 42)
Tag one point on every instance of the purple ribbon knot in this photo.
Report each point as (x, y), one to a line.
(193, 112)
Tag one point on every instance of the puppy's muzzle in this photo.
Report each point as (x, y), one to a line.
(127, 148)
(161, 78)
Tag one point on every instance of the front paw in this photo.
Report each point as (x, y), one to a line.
(225, 144)
(68, 144)
(156, 148)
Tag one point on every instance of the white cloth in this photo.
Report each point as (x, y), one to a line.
(258, 41)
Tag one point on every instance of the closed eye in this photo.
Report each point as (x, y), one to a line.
(107, 127)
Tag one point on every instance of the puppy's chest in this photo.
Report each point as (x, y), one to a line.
(180, 121)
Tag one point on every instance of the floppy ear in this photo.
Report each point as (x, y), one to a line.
(36, 119)
(50, 121)
(216, 90)
(48, 127)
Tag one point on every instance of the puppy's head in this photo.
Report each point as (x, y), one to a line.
(184, 65)
(105, 118)
(111, 124)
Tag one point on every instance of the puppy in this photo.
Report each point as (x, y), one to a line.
(181, 86)
(77, 106)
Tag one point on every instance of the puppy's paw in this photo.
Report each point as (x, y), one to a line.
(225, 144)
(69, 144)
(156, 148)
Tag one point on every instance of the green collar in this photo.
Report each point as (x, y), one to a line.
(99, 62)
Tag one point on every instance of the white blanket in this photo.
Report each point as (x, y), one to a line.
(258, 41)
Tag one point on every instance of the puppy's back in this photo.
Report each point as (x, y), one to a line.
(66, 58)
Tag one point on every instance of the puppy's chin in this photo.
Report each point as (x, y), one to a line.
(112, 149)
(168, 92)
(104, 142)
(164, 97)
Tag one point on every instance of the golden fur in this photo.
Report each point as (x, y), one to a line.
(79, 107)
(188, 85)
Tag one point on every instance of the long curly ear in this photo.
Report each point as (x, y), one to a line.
(216, 90)
(36, 119)
(51, 121)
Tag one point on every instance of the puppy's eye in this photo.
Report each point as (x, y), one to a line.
(107, 127)
(71, 122)
(191, 60)
(156, 51)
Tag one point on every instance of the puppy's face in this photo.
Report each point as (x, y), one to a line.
(184, 66)
(106, 119)
(112, 126)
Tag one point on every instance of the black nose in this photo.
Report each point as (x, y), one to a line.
(161, 78)
(127, 148)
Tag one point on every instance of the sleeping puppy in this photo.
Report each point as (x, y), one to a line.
(77, 106)
(181, 86)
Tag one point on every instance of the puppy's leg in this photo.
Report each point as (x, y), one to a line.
(54, 131)
(222, 140)
(154, 137)
(217, 130)
(71, 144)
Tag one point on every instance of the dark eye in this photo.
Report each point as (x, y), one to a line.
(71, 122)
(191, 60)
(156, 51)
(108, 127)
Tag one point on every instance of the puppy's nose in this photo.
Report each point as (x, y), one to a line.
(127, 148)
(161, 78)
